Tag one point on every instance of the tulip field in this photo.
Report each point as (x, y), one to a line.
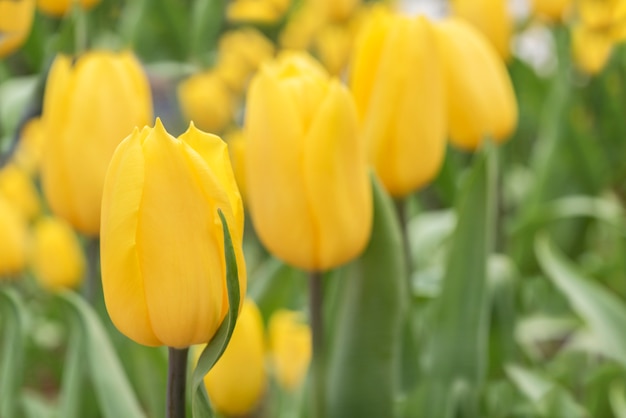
(312, 209)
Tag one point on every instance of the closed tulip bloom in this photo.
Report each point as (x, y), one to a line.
(16, 19)
(30, 147)
(480, 98)
(237, 149)
(206, 100)
(17, 186)
(59, 8)
(591, 49)
(162, 242)
(552, 10)
(237, 381)
(490, 17)
(56, 255)
(398, 87)
(13, 240)
(336, 10)
(290, 347)
(89, 107)
(308, 186)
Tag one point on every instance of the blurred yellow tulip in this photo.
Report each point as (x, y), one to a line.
(399, 90)
(332, 44)
(237, 149)
(591, 49)
(301, 27)
(17, 186)
(290, 348)
(491, 17)
(480, 98)
(16, 18)
(309, 191)
(551, 10)
(56, 256)
(206, 100)
(89, 106)
(59, 8)
(257, 11)
(13, 240)
(337, 10)
(162, 245)
(237, 381)
(30, 147)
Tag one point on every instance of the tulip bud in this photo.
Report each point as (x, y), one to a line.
(237, 150)
(336, 10)
(17, 186)
(237, 381)
(13, 239)
(552, 10)
(89, 107)
(399, 90)
(290, 347)
(57, 258)
(308, 186)
(590, 49)
(162, 242)
(479, 94)
(16, 18)
(490, 17)
(206, 100)
(30, 147)
(59, 8)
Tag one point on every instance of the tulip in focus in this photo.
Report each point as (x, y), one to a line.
(491, 17)
(17, 186)
(206, 100)
(237, 381)
(16, 18)
(162, 242)
(89, 106)
(59, 8)
(309, 190)
(13, 240)
(399, 90)
(57, 257)
(290, 346)
(480, 98)
(237, 149)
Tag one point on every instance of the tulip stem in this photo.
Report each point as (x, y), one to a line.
(318, 400)
(176, 381)
(401, 205)
(93, 285)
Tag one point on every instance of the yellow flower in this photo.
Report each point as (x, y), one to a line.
(237, 381)
(336, 10)
(480, 97)
(237, 150)
(206, 100)
(492, 18)
(16, 18)
(309, 191)
(162, 245)
(552, 10)
(399, 90)
(89, 107)
(13, 240)
(301, 27)
(591, 49)
(57, 258)
(258, 11)
(30, 147)
(332, 45)
(17, 186)
(59, 8)
(290, 347)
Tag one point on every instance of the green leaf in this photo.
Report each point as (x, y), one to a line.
(11, 365)
(458, 345)
(206, 23)
(361, 372)
(603, 312)
(617, 397)
(201, 406)
(90, 346)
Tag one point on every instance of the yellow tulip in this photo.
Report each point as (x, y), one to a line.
(206, 100)
(57, 258)
(290, 348)
(89, 107)
(591, 49)
(490, 17)
(399, 90)
(17, 186)
(301, 27)
(552, 10)
(13, 240)
(258, 11)
(309, 191)
(332, 45)
(30, 147)
(162, 246)
(479, 94)
(16, 18)
(238, 380)
(237, 150)
(59, 8)
(336, 10)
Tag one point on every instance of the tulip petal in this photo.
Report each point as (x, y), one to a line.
(337, 181)
(122, 279)
(184, 297)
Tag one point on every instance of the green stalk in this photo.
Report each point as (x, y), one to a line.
(318, 401)
(176, 381)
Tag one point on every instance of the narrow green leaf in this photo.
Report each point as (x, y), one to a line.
(35, 405)
(603, 312)
(215, 348)
(206, 23)
(73, 370)
(617, 397)
(361, 372)
(11, 366)
(113, 391)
